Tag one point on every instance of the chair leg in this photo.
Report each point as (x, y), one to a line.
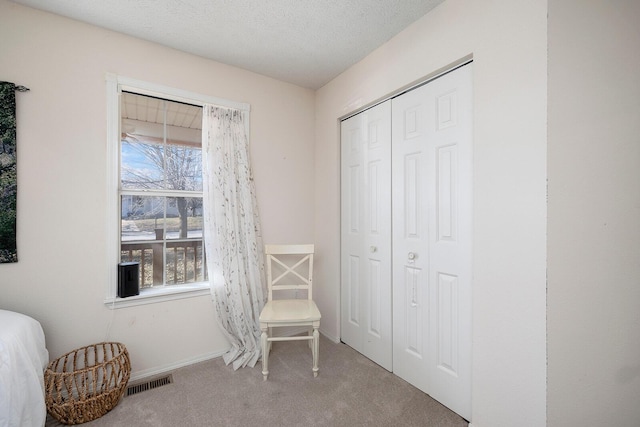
(265, 354)
(315, 350)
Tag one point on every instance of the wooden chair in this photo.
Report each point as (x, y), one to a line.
(289, 268)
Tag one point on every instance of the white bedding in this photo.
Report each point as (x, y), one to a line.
(23, 358)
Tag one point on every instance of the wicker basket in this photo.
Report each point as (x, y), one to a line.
(86, 383)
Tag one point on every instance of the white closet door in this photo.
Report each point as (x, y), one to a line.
(432, 197)
(366, 234)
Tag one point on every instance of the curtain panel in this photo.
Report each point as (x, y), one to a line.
(8, 173)
(232, 233)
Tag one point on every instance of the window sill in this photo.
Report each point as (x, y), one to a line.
(159, 294)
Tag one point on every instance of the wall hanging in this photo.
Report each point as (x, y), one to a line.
(8, 172)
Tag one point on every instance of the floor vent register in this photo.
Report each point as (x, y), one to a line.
(148, 385)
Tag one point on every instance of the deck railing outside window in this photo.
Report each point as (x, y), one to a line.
(182, 261)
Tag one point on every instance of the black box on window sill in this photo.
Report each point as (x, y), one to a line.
(128, 273)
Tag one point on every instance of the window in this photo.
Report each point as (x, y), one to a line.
(161, 190)
(155, 189)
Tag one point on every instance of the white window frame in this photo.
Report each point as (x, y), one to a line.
(114, 86)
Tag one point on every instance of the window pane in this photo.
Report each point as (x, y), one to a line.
(185, 262)
(143, 254)
(184, 218)
(184, 143)
(161, 144)
(184, 168)
(142, 164)
(142, 231)
(142, 218)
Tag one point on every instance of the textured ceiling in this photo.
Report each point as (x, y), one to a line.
(304, 42)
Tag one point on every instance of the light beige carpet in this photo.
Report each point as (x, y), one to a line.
(349, 391)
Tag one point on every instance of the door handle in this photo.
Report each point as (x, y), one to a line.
(411, 256)
(373, 249)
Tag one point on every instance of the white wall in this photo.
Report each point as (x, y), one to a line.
(508, 41)
(594, 213)
(60, 277)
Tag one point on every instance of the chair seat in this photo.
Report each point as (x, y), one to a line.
(290, 310)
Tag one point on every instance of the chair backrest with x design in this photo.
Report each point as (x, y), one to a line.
(289, 267)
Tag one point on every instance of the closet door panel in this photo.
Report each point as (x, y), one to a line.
(431, 163)
(410, 239)
(451, 246)
(366, 233)
(352, 199)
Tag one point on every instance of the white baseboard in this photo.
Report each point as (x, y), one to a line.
(160, 370)
(330, 337)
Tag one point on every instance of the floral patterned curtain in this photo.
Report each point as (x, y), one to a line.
(8, 173)
(233, 240)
